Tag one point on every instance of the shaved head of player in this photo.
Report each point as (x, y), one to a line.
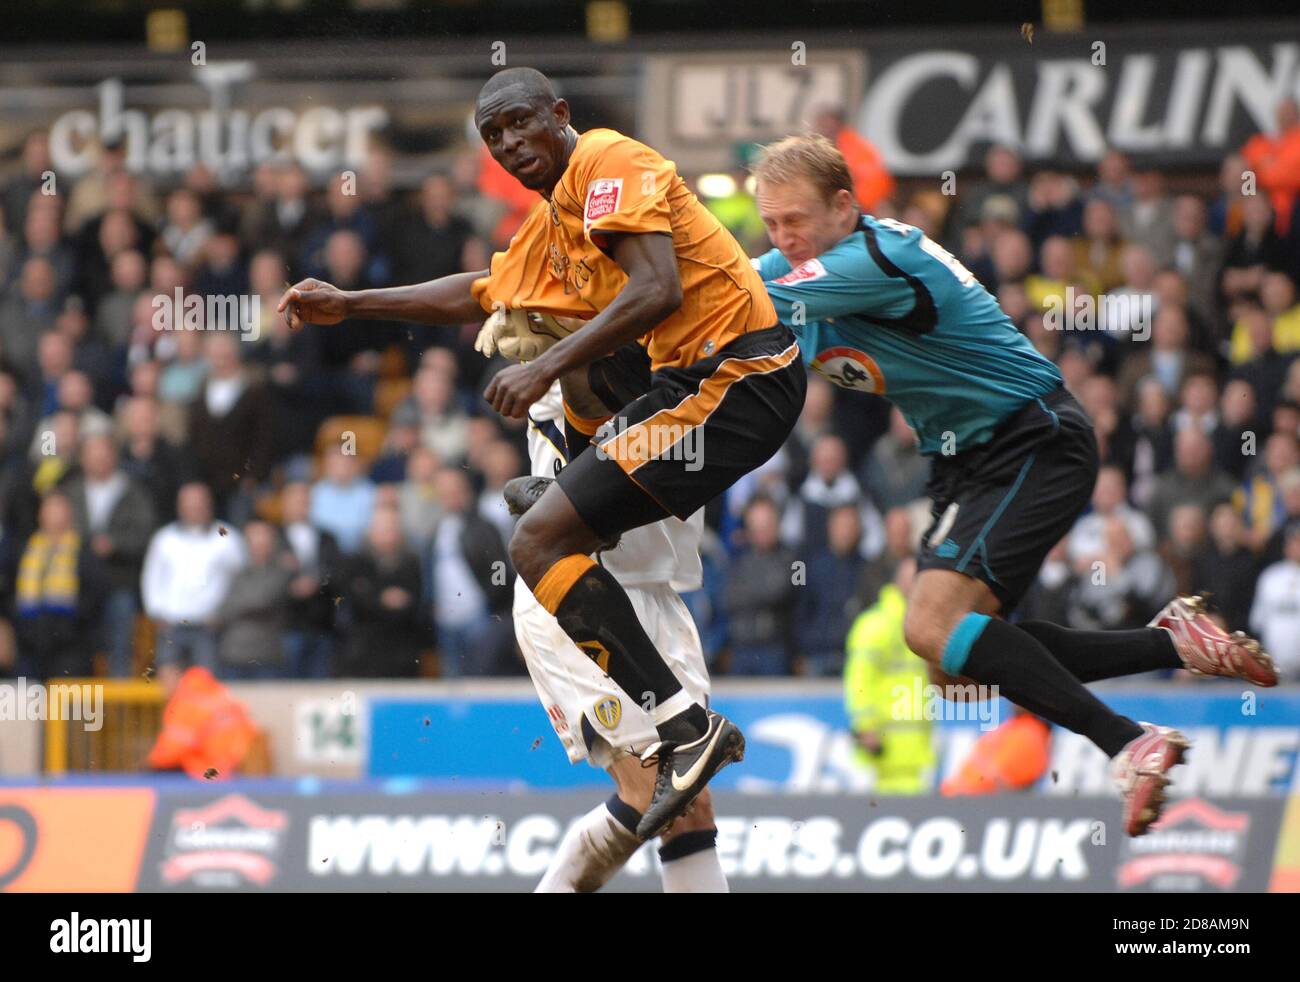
(525, 127)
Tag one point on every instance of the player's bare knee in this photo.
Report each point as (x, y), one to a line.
(526, 550)
(924, 631)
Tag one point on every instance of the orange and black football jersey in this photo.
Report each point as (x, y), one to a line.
(613, 184)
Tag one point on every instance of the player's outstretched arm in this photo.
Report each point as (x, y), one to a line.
(652, 292)
(446, 300)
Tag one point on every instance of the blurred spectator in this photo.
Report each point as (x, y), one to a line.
(75, 396)
(343, 500)
(148, 458)
(254, 615)
(1259, 362)
(315, 560)
(1149, 218)
(900, 542)
(444, 427)
(58, 595)
(92, 195)
(30, 179)
(1192, 481)
(27, 311)
(1275, 613)
(231, 428)
(469, 581)
(1003, 177)
(1288, 485)
(1227, 567)
(186, 231)
(1253, 251)
(829, 485)
(1097, 253)
(182, 379)
(1048, 598)
(760, 596)
(1197, 255)
(57, 456)
(42, 238)
(102, 239)
(1275, 159)
(430, 240)
(501, 462)
(220, 269)
(280, 215)
(418, 501)
(827, 602)
(482, 212)
(872, 182)
(898, 747)
(291, 360)
(1131, 307)
(116, 517)
(1087, 540)
(1198, 405)
(1124, 589)
(1166, 359)
(1238, 422)
(1057, 274)
(382, 588)
(1259, 499)
(343, 213)
(1278, 295)
(895, 472)
(187, 573)
(1114, 183)
(1186, 544)
(1055, 207)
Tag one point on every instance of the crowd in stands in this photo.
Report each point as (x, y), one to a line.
(326, 502)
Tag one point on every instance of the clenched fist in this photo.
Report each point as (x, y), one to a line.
(313, 302)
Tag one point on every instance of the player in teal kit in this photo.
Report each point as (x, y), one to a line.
(879, 307)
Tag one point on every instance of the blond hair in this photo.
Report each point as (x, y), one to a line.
(811, 157)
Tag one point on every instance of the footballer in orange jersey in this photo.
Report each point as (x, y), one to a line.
(621, 242)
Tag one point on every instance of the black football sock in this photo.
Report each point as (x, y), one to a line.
(1093, 655)
(993, 652)
(594, 611)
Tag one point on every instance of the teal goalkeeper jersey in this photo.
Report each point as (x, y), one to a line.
(888, 310)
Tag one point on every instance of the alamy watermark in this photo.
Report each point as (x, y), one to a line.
(639, 442)
(234, 312)
(23, 701)
(919, 702)
(1114, 313)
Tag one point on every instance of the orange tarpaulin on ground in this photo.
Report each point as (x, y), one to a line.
(1010, 757)
(205, 728)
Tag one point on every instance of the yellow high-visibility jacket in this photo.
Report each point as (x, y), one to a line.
(881, 680)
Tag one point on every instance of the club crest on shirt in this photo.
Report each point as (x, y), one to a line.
(602, 200)
(608, 712)
(851, 369)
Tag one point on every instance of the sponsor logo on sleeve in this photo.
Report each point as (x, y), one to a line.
(602, 199)
(810, 270)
